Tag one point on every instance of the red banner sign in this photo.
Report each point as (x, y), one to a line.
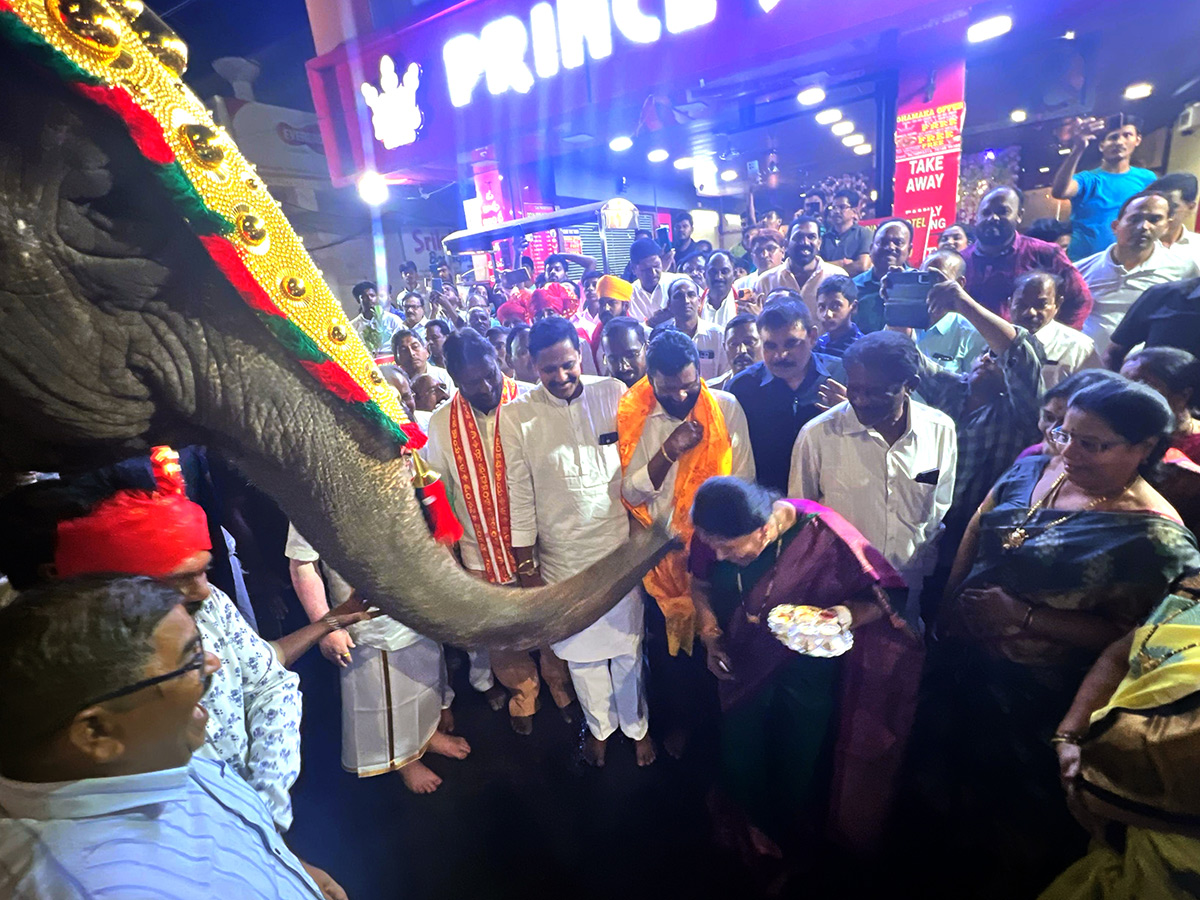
(928, 150)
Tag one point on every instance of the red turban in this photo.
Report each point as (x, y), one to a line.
(514, 309)
(543, 300)
(136, 532)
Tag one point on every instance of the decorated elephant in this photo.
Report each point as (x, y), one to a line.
(139, 306)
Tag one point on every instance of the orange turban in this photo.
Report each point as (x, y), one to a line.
(616, 288)
(136, 532)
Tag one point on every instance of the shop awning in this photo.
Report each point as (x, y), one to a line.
(481, 239)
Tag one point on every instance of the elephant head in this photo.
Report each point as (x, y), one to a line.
(118, 332)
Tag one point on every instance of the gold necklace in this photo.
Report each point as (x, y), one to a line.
(1019, 535)
(1150, 663)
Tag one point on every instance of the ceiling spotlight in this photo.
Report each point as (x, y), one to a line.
(1139, 91)
(620, 144)
(811, 96)
(986, 29)
(874, 195)
(657, 155)
(1044, 169)
(373, 188)
(828, 116)
(1063, 151)
(683, 162)
(853, 140)
(1068, 36)
(729, 175)
(842, 128)
(1018, 115)
(768, 5)
(863, 150)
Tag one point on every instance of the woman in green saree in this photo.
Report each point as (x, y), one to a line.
(1066, 554)
(1127, 751)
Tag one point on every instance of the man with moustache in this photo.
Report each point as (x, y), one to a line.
(1000, 255)
(674, 433)
(721, 300)
(890, 249)
(648, 302)
(742, 348)
(684, 304)
(518, 355)
(102, 716)
(564, 488)
(1133, 263)
(882, 460)
(436, 332)
(466, 449)
(846, 243)
(781, 393)
(803, 270)
(624, 343)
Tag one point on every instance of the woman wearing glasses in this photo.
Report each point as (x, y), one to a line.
(1067, 553)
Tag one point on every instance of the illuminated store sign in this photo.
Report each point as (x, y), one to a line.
(509, 54)
(395, 115)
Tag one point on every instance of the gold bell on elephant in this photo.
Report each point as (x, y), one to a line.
(159, 39)
(92, 24)
(435, 504)
(202, 140)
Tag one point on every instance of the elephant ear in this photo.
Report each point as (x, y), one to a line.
(122, 58)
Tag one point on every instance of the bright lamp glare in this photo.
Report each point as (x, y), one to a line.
(768, 5)
(843, 128)
(1139, 91)
(990, 28)
(828, 116)
(863, 150)
(811, 96)
(729, 175)
(657, 155)
(373, 189)
(1018, 115)
(853, 140)
(620, 144)
(684, 162)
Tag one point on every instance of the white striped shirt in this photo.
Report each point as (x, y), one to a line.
(195, 832)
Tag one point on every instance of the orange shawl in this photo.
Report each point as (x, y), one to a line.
(669, 582)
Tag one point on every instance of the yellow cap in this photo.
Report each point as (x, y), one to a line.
(616, 288)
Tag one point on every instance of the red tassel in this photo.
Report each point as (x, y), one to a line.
(145, 131)
(445, 528)
(232, 267)
(335, 379)
(416, 437)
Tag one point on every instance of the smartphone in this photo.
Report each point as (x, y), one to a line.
(907, 304)
(515, 278)
(663, 235)
(438, 285)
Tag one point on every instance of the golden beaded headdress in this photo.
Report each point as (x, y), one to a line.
(119, 55)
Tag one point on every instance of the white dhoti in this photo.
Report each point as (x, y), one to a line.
(392, 702)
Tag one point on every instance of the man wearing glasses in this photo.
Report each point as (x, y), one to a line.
(101, 792)
(846, 243)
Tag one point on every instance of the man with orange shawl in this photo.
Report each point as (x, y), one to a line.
(674, 433)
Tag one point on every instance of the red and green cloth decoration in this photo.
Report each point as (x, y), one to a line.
(210, 227)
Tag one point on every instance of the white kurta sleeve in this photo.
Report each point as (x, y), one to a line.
(739, 437)
(521, 504)
(947, 465)
(805, 478)
(636, 486)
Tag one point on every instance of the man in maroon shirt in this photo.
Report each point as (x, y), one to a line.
(1000, 255)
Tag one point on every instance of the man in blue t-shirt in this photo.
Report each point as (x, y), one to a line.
(1097, 194)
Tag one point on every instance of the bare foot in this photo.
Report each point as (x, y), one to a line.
(594, 750)
(448, 745)
(675, 743)
(446, 723)
(419, 778)
(644, 751)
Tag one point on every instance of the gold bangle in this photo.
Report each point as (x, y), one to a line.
(1028, 618)
(1066, 737)
(529, 568)
(663, 451)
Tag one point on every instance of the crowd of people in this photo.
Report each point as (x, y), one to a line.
(996, 499)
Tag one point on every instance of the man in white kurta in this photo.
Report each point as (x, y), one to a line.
(684, 302)
(463, 449)
(394, 684)
(564, 485)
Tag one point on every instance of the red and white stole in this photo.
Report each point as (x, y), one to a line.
(485, 493)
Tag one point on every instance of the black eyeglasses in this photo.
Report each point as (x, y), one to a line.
(196, 663)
